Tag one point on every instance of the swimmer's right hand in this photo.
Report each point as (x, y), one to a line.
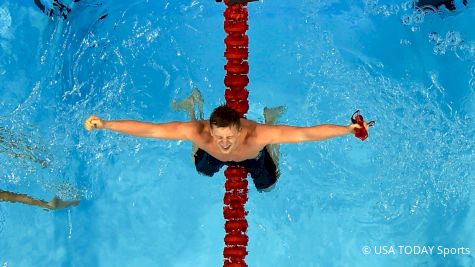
(93, 122)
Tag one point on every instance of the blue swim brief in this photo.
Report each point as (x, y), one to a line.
(263, 170)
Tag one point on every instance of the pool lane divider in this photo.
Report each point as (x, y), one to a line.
(236, 95)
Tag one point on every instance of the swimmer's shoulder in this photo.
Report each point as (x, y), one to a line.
(255, 132)
(266, 134)
(199, 130)
(249, 126)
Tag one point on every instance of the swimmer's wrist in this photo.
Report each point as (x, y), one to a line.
(105, 125)
(349, 129)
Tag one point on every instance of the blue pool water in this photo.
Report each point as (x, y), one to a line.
(382, 202)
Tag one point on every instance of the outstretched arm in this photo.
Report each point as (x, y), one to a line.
(291, 134)
(169, 130)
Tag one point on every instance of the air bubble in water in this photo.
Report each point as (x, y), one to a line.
(440, 48)
(471, 84)
(5, 21)
(462, 52)
(453, 38)
(418, 17)
(407, 5)
(394, 9)
(471, 51)
(472, 70)
(433, 37)
(384, 10)
(371, 5)
(406, 20)
(70, 224)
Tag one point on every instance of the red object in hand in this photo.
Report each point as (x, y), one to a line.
(360, 133)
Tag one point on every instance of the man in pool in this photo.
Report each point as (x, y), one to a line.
(228, 139)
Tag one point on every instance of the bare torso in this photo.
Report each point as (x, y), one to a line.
(248, 144)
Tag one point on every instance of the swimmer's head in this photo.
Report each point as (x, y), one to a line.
(225, 128)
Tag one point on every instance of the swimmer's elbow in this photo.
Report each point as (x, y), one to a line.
(282, 134)
(173, 131)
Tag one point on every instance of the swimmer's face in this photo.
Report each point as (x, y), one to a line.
(225, 137)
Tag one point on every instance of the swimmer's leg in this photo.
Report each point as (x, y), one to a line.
(194, 100)
(270, 118)
(56, 203)
(22, 198)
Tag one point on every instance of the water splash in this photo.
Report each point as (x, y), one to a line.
(406, 20)
(21, 154)
(417, 119)
(440, 48)
(373, 7)
(453, 38)
(452, 41)
(70, 224)
(471, 84)
(434, 38)
(408, 5)
(418, 16)
(464, 52)
(2, 219)
(5, 22)
(63, 189)
(414, 17)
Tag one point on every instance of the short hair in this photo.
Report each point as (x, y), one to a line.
(224, 116)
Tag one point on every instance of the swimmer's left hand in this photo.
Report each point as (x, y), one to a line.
(353, 126)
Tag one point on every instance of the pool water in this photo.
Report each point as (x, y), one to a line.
(403, 197)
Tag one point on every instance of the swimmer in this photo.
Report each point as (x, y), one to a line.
(436, 4)
(225, 138)
(55, 204)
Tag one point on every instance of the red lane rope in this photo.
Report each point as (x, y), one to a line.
(235, 197)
